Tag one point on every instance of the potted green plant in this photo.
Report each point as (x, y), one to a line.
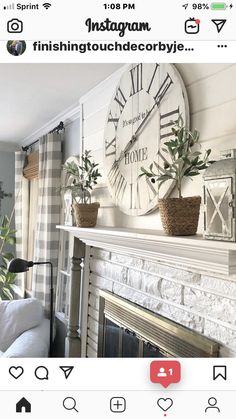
(180, 160)
(7, 279)
(81, 180)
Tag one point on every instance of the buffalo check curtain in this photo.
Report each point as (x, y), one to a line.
(21, 213)
(49, 203)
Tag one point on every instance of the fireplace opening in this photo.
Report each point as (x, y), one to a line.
(129, 331)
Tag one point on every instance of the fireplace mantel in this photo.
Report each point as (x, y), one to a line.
(195, 252)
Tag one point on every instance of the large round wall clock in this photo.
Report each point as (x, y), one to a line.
(146, 104)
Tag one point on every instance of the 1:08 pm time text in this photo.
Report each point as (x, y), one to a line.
(117, 6)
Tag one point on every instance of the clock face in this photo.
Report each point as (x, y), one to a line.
(144, 107)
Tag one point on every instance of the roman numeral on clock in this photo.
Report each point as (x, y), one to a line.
(120, 99)
(114, 120)
(117, 181)
(135, 202)
(121, 185)
(136, 79)
(113, 173)
(152, 192)
(167, 121)
(153, 77)
(110, 147)
(163, 89)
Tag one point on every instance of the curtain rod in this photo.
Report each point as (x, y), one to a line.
(59, 127)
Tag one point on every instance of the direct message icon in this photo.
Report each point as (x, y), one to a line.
(165, 372)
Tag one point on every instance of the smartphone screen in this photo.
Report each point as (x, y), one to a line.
(117, 209)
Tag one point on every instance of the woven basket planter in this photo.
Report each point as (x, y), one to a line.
(180, 216)
(86, 214)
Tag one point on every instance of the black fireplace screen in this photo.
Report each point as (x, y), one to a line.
(120, 342)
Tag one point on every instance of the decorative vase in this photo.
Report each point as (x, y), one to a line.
(86, 214)
(180, 216)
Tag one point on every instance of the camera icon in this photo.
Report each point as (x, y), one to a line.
(15, 26)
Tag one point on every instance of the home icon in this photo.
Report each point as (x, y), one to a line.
(23, 406)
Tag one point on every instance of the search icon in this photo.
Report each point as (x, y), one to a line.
(69, 403)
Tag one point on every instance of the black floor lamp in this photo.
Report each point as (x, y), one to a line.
(20, 265)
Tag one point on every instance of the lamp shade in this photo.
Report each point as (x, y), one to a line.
(19, 265)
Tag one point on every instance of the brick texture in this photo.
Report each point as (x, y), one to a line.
(202, 303)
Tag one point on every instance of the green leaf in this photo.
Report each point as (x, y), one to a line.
(5, 221)
(8, 256)
(16, 289)
(6, 292)
(202, 167)
(190, 174)
(159, 168)
(4, 229)
(208, 152)
(164, 177)
(10, 240)
(195, 161)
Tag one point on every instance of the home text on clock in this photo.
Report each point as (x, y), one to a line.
(117, 6)
(136, 156)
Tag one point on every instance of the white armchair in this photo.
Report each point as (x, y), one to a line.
(24, 332)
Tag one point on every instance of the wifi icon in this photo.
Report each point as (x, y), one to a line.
(47, 5)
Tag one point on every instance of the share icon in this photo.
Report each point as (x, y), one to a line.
(67, 371)
(219, 24)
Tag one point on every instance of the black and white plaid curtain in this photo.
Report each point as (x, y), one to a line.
(49, 202)
(21, 213)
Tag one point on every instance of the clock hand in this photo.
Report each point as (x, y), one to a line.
(135, 135)
(128, 146)
(146, 117)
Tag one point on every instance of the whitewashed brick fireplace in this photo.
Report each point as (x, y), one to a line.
(188, 280)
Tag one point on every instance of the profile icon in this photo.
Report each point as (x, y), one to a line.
(212, 405)
(16, 48)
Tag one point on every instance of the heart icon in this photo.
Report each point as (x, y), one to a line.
(16, 372)
(165, 404)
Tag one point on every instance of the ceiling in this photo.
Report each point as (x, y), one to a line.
(33, 94)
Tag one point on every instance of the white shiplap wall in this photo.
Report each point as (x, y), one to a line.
(212, 95)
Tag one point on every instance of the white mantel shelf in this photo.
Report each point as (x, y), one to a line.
(189, 251)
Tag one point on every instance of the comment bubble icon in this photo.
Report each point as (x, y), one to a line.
(165, 372)
(41, 373)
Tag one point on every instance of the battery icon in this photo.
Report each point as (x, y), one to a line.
(218, 6)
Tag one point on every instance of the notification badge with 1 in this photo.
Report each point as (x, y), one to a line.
(165, 372)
